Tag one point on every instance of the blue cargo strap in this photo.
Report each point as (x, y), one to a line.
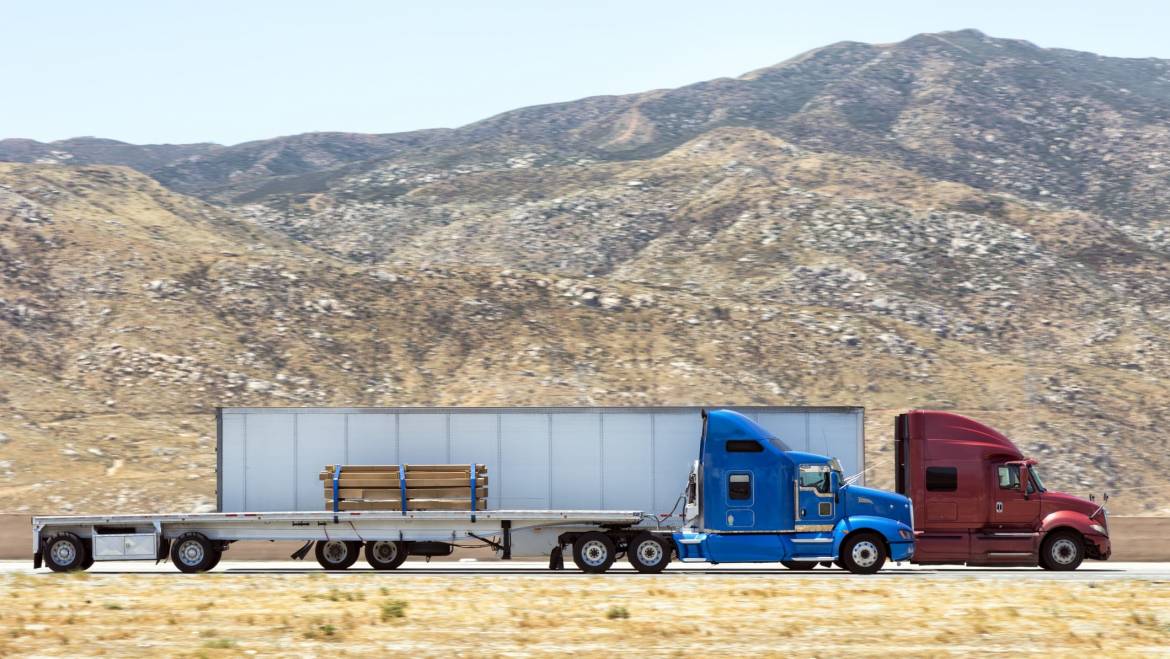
(473, 492)
(336, 487)
(402, 486)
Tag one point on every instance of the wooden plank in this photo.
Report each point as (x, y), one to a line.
(436, 474)
(387, 493)
(371, 483)
(414, 505)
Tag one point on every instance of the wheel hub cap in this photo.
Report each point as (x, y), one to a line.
(1064, 551)
(865, 553)
(191, 552)
(650, 553)
(594, 553)
(64, 553)
(385, 551)
(335, 551)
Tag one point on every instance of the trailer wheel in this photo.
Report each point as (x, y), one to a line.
(649, 553)
(386, 554)
(193, 552)
(88, 562)
(863, 553)
(337, 554)
(594, 552)
(799, 565)
(215, 556)
(65, 553)
(1062, 551)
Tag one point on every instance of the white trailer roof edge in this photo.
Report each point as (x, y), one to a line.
(533, 410)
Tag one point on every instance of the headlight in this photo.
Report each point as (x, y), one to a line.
(1099, 529)
(906, 535)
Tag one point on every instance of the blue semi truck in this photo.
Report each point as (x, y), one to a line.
(752, 500)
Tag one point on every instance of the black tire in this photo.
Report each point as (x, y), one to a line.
(649, 553)
(337, 554)
(193, 552)
(386, 554)
(66, 553)
(214, 560)
(594, 552)
(799, 565)
(88, 563)
(863, 553)
(1062, 551)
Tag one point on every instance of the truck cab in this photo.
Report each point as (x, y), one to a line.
(752, 499)
(979, 501)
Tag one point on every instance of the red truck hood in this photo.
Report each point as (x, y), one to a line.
(1054, 501)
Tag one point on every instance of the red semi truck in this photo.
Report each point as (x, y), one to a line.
(979, 501)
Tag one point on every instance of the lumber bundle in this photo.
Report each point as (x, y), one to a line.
(428, 487)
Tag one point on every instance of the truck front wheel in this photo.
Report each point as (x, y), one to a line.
(864, 553)
(649, 553)
(1063, 550)
(594, 552)
(337, 554)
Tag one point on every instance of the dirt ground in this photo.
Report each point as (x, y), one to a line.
(311, 615)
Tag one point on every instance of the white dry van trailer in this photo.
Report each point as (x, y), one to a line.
(552, 470)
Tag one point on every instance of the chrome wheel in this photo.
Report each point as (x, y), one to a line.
(191, 552)
(64, 552)
(336, 551)
(383, 551)
(1064, 551)
(594, 553)
(865, 554)
(649, 553)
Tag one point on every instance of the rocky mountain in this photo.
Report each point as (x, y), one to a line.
(952, 221)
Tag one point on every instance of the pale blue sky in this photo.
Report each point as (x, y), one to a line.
(220, 71)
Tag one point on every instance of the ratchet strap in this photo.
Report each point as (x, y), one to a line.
(336, 487)
(473, 492)
(402, 486)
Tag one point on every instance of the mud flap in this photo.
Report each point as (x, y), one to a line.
(299, 555)
(556, 559)
(37, 559)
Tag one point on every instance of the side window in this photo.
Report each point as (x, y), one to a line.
(744, 446)
(815, 476)
(942, 479)
(739, 487)
(1009, 477)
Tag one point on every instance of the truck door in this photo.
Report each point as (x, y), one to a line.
(1014, 506)
(815, 498)
(1011, 534)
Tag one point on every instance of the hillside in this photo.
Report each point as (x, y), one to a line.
(953, 221)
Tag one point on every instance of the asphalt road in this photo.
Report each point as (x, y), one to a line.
(1089, 571)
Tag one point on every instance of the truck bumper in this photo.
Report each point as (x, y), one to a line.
(901, 550)
(1098, 547)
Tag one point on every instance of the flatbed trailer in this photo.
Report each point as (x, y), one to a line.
(195, 541)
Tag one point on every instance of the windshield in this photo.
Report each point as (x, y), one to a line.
(1036, 478)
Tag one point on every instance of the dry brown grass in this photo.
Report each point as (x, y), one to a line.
(223, 614)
